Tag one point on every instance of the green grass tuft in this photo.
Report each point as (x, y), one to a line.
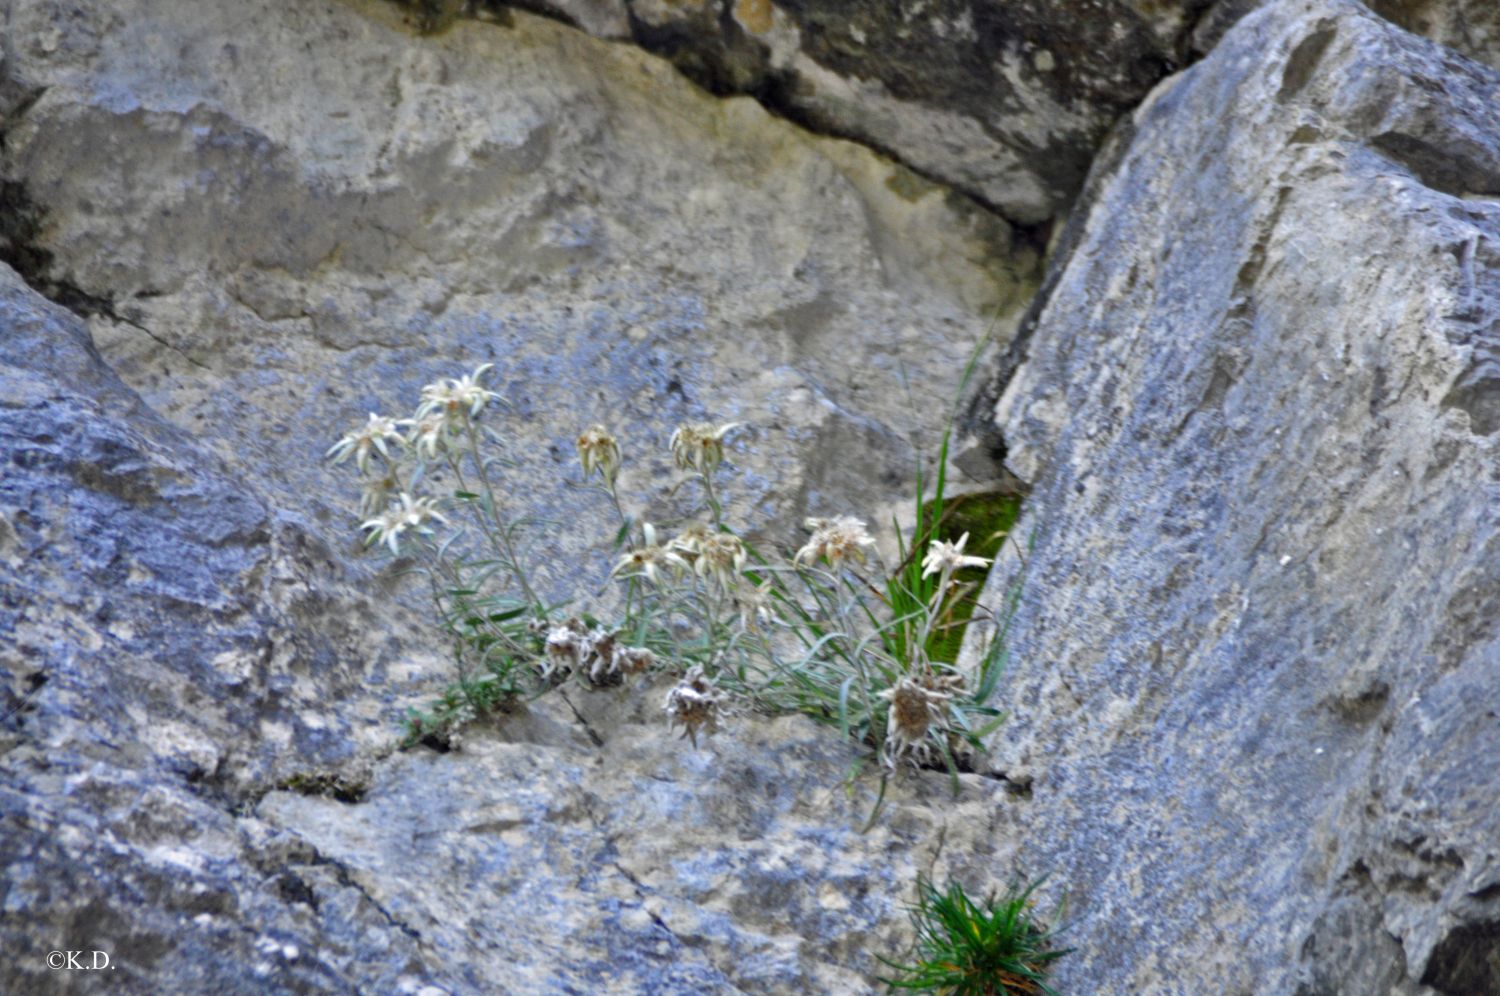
(994, 948)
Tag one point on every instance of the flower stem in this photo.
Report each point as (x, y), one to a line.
(501, 533)
(713, 499)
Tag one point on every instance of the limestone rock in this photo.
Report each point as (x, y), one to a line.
(172, 646)
(1005, 101)
(269, 252)
(266, 220)
(1471, 27)
(158, 612)
(174, 665)
(1253, 668)
(537, 860)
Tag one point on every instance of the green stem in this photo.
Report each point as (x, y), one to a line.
(934, 610)
(504, 533)
(713, 498)
(614, 497)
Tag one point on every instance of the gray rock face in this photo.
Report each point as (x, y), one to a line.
(537, 860)
(268, 253)
(1004, 101)
(1469, 26)
(260, 245)
(174, 655)
(171, 643)
(125, 542)
(1254, 668)
(1253, 726)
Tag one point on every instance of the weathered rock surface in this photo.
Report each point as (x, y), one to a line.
(1004, 100)
(273, 219)
(175, 649)
(1007, 100)
(173, 645)
(1253, 733)
(609, 856)
(1254, 665)
(272, 251)
(1469, 26)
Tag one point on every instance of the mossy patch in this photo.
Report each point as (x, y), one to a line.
(987, 517)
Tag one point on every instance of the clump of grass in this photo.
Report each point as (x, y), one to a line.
(993, 948)
(831, 631)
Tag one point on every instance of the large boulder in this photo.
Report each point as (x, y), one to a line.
(269, 252)
(174, 647)
(1471, 27)
(1006, 101)
(1253, 668)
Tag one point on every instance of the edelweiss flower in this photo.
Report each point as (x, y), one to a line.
(720, 556)
(836, 541)
(599, 654)
(689, 543)
(432, 434)
(409, 514)
(564, 649)
(634, 660)
(377, 494)
(452, 396)
(595, 654)
(377, 432)
(608, 662)
(649, 558)
(919, 706)
(949, 557)
(694, 704)
(700, 445)
(752, 604)
(598, 450)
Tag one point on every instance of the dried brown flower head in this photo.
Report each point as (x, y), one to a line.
(634, 660)
(377, 493)
(694, 704)
(689, 543)
(721, 556)
(595, 654)
(564, 645)
(752, 605)
(919, 707)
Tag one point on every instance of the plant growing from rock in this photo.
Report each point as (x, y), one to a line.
(831, 631)
(993, 948)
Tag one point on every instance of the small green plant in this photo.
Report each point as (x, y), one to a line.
(993, 948)
(831, 631)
